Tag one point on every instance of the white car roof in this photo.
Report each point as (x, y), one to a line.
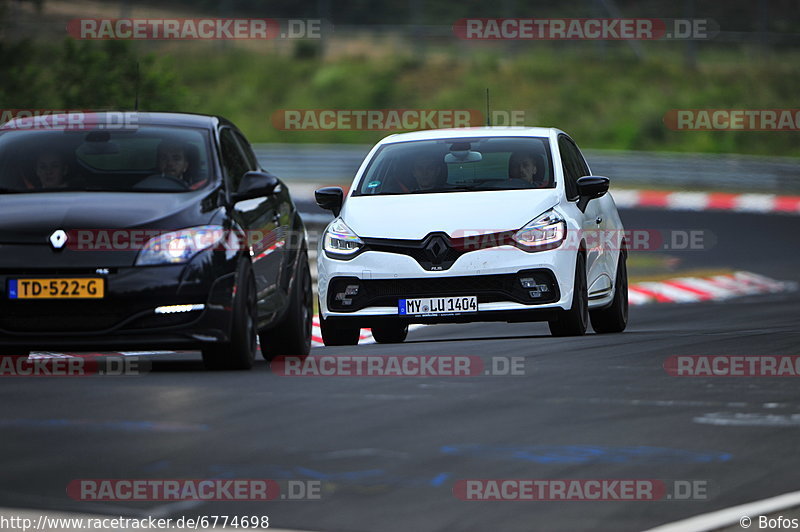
(431, 134)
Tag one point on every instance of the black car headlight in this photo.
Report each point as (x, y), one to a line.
(179, 247)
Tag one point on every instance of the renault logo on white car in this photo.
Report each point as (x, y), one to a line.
(58, 239)
(436, 249)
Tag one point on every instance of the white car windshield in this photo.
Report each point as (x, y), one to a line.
(459, 165)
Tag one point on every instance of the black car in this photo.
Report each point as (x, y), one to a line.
(160, 233)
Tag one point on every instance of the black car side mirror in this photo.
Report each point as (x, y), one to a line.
(330, 199)
(255, 184)
(591, 187)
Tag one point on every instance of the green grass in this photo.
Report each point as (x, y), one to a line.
(608, 102)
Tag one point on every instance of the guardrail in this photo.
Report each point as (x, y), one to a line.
(338, 163)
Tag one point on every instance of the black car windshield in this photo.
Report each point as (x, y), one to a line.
(145, 159)
(459, 165)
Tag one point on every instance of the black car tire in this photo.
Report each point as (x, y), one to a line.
(12, 352)
(338, 334)
(240, 352)
(394, 333)
(573, 322)
(292, 335)
(614, 318)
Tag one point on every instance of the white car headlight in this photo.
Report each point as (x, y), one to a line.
(341, 240)
(547, 231)
(179, 247)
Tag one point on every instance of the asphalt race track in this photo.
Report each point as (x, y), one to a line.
(389, 450)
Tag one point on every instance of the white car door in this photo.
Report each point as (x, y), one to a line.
(593, 222)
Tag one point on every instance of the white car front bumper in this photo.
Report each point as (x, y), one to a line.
(503, 260)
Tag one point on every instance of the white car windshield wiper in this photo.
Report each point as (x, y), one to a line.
(457, 189)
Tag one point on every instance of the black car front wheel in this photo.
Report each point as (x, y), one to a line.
(240, 352)
(292, 335)
(13, 353)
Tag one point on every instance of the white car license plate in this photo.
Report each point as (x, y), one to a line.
(436, 306)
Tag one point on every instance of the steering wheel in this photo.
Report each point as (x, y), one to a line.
(183, 184)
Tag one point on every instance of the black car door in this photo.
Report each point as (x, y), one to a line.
(259, 218)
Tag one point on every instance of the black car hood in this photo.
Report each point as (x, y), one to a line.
(32, 218)
(28, 220)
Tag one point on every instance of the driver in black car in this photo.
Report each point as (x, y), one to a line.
(174, 165)
(173, 160)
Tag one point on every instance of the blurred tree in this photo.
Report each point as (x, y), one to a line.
(84, 75)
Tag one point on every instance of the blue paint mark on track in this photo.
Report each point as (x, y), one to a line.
(584, 454)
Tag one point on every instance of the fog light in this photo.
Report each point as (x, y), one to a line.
(172, 309)
(351, 290)
(528, 282)
(538, 291)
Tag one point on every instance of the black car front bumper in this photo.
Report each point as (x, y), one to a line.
(125, 318)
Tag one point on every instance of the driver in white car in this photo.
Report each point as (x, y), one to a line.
(522, 165)
(428, 171)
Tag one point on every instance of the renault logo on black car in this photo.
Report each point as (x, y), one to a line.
(58, 239)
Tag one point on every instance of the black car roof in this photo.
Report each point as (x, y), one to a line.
(156, 119)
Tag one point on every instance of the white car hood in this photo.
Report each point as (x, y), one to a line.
(414, 216)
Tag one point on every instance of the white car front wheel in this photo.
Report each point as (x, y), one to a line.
(573, 322)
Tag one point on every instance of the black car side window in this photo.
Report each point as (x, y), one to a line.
(233, 160)
(252, 162)
(571, 167)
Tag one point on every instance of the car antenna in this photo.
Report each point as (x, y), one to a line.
(488, 116)
(136, 88)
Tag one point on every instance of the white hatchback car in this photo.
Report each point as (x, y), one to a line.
(467, 225)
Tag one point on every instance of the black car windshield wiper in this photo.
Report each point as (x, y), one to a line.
(9, 190)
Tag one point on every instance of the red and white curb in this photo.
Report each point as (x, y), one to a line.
(677, 290)
(364, 338)
(707, 201)
(664, 199)
(714, 288)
